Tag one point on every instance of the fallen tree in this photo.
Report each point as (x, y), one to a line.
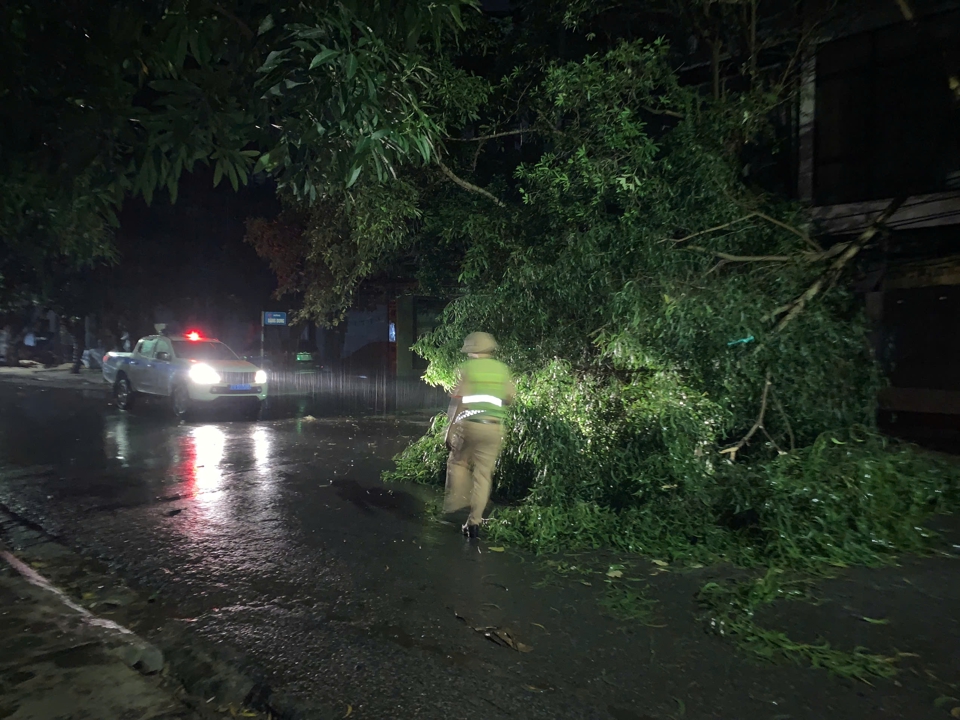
(696, 380)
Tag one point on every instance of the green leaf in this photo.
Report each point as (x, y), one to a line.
(353, 175)
(455, 13)
(266, 26)
(351, 66)
(273, 60)
(218, 173)
(323, 56)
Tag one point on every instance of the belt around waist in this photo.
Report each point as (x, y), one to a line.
(484, 420)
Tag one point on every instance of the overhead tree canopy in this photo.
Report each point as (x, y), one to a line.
(104, 100)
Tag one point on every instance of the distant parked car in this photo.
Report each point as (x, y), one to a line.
(190, 370)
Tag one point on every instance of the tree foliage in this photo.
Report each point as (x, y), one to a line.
(104, 100)
(695, 378)
(601, 183)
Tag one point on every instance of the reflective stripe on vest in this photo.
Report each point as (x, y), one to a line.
(485, 386)
(471, 399)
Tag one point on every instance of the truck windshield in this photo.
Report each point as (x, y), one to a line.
(191, 350)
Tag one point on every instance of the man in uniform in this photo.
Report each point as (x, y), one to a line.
(475, 430)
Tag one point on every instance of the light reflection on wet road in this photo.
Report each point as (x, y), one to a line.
(278, 540)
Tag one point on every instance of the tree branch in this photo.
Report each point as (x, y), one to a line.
(244, 28)
(476, 156)
(493, 136)
(773, 442)
(804, 256)
(670, 113)
(713, 229)
(786, 422)
(796, 231)
(851, 251)
(906, 10)
(758, 425)
(469, 187)
(778, 312)
(745, 258)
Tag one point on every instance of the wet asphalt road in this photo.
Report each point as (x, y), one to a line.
(276, 539)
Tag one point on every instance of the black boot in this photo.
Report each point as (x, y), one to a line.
(470, 530)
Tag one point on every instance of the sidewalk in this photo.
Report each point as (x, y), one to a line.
(58, 377)
(59, 661)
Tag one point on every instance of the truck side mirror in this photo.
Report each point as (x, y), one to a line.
(162, 355)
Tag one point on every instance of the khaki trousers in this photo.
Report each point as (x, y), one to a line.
(480, 447)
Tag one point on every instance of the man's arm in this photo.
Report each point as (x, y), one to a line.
(455, 398)
(452, 410)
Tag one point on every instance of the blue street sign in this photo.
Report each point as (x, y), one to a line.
(274, 318)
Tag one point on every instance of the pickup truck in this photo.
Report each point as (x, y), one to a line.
(190, 370)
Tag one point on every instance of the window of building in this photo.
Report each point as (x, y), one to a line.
(886, 116)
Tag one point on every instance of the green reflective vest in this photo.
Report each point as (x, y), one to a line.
(485, 386)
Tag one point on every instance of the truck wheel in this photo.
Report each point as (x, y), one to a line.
(124, 393)
(180, 400)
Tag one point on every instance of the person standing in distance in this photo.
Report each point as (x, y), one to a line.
(475, 429)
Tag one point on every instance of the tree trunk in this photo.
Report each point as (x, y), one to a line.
(79, 344)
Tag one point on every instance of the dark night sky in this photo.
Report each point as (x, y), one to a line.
(190, 256)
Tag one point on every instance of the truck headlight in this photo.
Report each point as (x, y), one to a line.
(203, 374)
(260, 378)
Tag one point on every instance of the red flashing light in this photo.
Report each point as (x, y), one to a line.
(193, 335)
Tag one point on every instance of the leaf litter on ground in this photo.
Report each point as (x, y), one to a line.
(497, 635)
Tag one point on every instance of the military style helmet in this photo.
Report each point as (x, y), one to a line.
(479, 342)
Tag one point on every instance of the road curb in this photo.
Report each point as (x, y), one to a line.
(56, 384)
(210, 680)
(119, 641)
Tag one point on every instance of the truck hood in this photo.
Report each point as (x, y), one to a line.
(230, 365)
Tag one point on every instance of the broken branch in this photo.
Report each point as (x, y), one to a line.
(804, 256)
(851, 251)
(773, 442)
(758, 425)
(469, 187)
(714, 229)
(786, 422)
(773, 221)
(745, 258)
(796, 231)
